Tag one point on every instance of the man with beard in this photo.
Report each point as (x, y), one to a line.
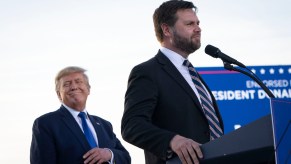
(165, 112)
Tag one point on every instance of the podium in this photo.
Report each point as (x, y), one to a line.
(253, 143)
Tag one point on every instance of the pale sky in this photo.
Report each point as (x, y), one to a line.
(108, 38)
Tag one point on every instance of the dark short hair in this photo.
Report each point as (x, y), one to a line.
(166, 14)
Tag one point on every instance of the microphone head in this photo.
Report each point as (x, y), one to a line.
(212, 51)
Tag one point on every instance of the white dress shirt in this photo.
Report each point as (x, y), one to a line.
(79, 121)
(75, 114)
(178, 60)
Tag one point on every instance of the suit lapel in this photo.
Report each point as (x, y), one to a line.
(169, 67)
(97, 126)
(71, 123)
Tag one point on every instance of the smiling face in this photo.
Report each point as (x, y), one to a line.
(74, 90)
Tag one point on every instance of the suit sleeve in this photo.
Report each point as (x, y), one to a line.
(42, 150)
(141, 99)
(121, 155)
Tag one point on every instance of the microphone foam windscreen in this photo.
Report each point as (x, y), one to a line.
(211, 50)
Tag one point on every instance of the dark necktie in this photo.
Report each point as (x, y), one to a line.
(207, 106)
(86, 130)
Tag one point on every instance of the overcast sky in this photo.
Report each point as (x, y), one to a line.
(38, 38)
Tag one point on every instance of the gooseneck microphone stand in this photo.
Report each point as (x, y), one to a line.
(229, 67)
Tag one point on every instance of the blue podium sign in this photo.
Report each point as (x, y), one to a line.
(281, 118)
(240, 99)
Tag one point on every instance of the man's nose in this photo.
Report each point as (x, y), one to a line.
(197, 28)
(73, 86)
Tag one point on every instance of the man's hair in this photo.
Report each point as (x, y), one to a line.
(166, 14)
(67, 71)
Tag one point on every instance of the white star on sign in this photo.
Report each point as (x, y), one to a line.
(272, 71)
(281, 70)
(262, 71)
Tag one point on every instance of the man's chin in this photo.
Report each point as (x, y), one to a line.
(198, 46)
(195, 47)
(77, 98)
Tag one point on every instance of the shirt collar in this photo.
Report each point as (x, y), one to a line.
(73, 111)
(174, 57)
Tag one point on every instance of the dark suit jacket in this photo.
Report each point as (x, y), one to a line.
(159, 103)
(57, 138)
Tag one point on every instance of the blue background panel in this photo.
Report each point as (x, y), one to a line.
(240, 99)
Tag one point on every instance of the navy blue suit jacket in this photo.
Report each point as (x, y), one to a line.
(57, 138)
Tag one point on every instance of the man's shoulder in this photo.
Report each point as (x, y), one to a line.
(153, 62)
(147, 63)
(50, 116)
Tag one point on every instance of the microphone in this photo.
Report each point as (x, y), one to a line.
(216, 53)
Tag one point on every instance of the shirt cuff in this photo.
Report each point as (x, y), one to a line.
(112, 157)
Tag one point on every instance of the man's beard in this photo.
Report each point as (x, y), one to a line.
(184, 44)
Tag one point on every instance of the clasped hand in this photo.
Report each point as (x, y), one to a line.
(97, 155)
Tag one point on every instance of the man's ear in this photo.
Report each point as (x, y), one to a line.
(59, 95)
(166, 29)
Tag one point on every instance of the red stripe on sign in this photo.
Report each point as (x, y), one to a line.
(217, 72)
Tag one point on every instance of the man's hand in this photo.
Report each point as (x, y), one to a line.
(187, 149)
(97, 155)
